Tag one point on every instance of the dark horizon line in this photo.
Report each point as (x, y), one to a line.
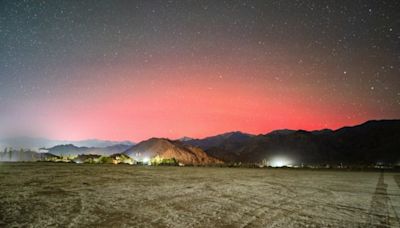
(288, 129)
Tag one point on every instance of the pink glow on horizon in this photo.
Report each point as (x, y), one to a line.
(192, 107)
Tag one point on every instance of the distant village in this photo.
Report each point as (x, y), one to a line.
(24, 155)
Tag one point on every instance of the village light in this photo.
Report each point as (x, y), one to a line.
(280, 162)
(146, 160)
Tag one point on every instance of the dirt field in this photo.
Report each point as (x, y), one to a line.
(71, 195)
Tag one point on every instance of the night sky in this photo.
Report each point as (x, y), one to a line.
(137, 69)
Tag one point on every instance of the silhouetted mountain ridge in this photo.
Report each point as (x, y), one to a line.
(226, 138)
(370, 142)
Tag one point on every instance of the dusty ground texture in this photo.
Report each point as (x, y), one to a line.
(71, 195)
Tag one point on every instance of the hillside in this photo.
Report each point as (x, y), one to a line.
(168, 149)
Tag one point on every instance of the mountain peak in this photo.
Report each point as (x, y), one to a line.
(185, 138)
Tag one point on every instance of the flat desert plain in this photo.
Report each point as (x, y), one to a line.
(84, 195)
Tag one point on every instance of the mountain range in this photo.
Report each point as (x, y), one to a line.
(365, 144)
(371, 142)
(34, 143)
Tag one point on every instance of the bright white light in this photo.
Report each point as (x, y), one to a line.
(146, 160)
(280, 162)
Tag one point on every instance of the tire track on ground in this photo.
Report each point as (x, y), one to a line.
(379, 210)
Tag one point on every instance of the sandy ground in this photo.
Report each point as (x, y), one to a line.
(71, 195)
